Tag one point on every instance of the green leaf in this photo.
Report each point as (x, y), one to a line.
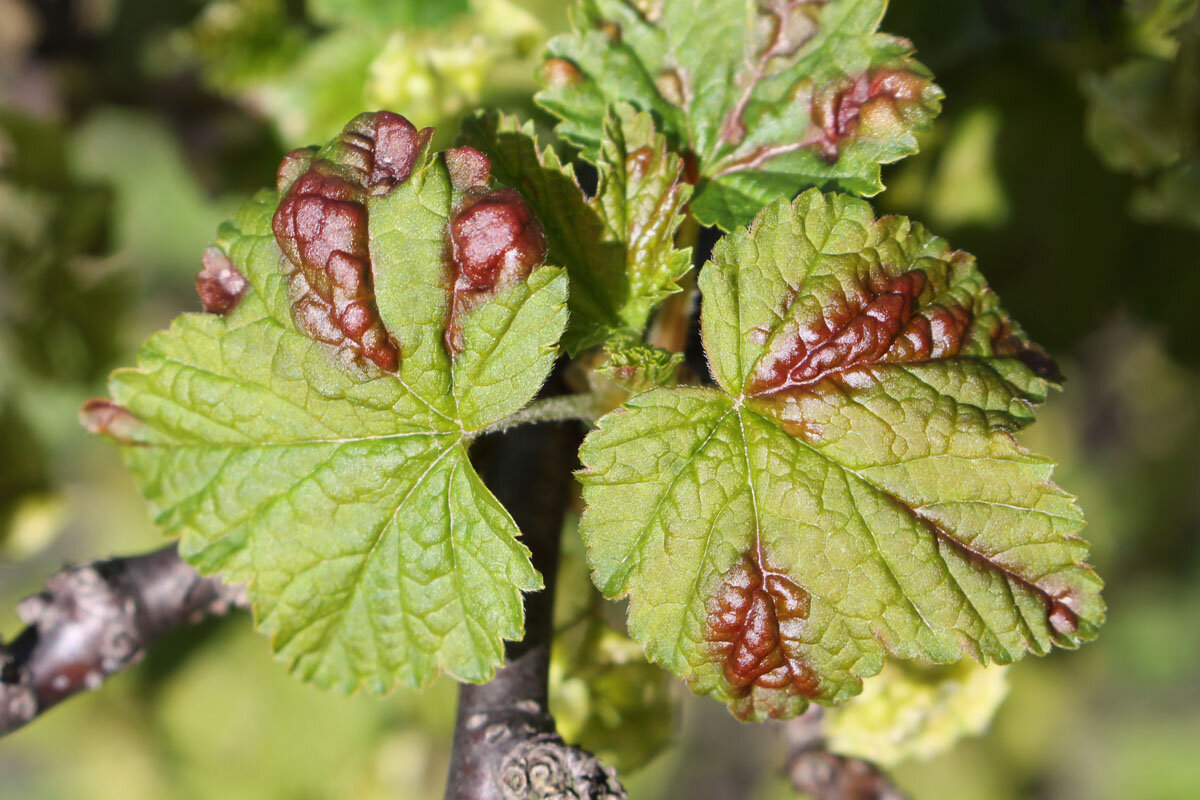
(853, 488)
(916, 711)
(618, 247)
(342, 494)
(808, 95)
(638, 367)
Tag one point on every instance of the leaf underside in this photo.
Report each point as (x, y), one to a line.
(341, 493)
(810, 94)
(852, 488)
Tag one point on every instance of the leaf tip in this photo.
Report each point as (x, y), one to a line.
(219, 283)
(103, 417)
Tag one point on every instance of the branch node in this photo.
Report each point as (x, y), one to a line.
(543, 767)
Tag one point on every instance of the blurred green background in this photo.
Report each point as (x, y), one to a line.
(1067, 159)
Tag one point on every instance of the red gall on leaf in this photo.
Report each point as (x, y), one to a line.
(755, 624)
(875, 103)
(883, 320)
(495, 242)
(558, 72)
(219, 283)
(321, 227)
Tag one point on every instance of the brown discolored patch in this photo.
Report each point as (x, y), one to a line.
(879, 322)
(754, 626)
(881, 95)
(611, 30)
(669, 83)
(1060, 599)
(559, 73)
(495, 242)
(1062, 607)
(219, 283)
(469, 169)
(1007, 342)
(321, 227)
(106, 418)
(637, 163)
(783, 27)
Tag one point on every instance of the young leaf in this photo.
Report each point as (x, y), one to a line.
(638, 367)
(618, 247)
(853, 487)
(810, 95)
(327, 469)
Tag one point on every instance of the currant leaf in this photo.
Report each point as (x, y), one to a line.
(618, 247)
(853, 488)
(812, 95)
(335, 482)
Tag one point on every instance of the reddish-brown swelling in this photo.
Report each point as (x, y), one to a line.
(495, 242)
(754, 626)
(882, 93)
(321, 227)
(494, 236)
(876, 323)
(219, 283)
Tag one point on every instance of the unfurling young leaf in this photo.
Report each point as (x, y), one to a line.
(638, 367)
(618, 246)
(312, 439)
(852, 488)
(766, 97)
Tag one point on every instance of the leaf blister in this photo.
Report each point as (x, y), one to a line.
(862, 451)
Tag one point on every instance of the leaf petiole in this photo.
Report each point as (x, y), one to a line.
(583, 407)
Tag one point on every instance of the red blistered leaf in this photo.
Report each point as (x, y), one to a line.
(754, 626)
(321, 227)
(495, 242)
(878, 100)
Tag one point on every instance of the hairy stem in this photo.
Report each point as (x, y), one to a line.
(505, 745)
(95, 620)
(827, 776)
(582, 407)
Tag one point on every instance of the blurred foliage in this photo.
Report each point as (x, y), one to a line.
(140, 123)
(1144, 113)
(604, 694)
(58, 313)
(916, 711)
(309, 72)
